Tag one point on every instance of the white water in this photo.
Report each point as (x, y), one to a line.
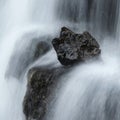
(11, 90)
(86, 90)
(16, 22)
(92, 91)
(21, 17)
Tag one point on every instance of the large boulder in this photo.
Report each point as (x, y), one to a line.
(72, 48)
(41, 82)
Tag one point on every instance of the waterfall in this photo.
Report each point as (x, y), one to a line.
(17, 28)
(14, 14)
(98, 16)
(90, 91)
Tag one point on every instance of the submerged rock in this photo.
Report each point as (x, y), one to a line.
(71, 47)
(26, 52)
(41, 81)
(41, 48)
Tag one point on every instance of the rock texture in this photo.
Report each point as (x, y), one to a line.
(41, 81)
(72, 48)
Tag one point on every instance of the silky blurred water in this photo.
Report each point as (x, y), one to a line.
(83, 96)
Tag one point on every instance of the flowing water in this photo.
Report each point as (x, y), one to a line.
(92, 90)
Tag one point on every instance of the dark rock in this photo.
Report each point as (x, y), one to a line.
(41, 81)
(72, 48)
(26, 52)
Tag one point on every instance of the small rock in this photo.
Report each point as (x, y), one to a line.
(72, 48)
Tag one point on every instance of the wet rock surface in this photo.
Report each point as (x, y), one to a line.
(71, 47)
(41, 81)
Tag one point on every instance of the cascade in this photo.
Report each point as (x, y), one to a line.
(90, 91)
